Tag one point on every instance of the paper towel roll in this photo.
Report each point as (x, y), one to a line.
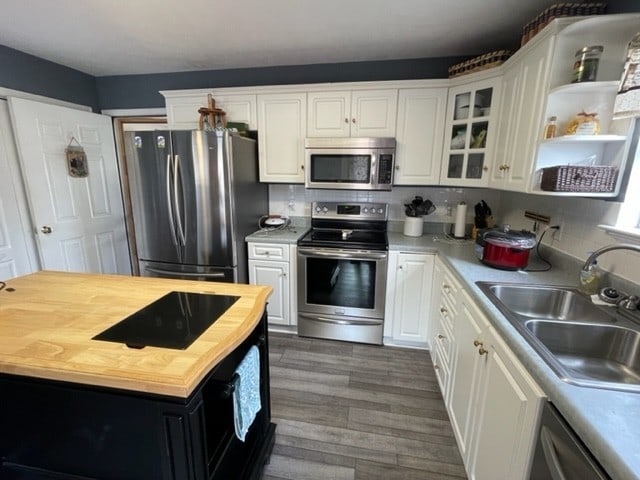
(461, 216)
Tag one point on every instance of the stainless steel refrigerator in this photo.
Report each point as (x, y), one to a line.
(194, 196)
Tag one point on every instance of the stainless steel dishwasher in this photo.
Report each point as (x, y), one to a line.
(559, 454)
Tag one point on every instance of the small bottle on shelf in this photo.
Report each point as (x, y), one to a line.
(550, 128)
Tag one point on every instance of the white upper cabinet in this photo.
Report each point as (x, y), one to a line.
(419, 132)
(357, 113)
(537, 85)
(281, 127)
(563, 99)
(525, 82)
(470, 132)
(182, 107)
(240, 108)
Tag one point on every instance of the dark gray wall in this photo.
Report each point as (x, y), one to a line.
(137, 91)
(21, 71)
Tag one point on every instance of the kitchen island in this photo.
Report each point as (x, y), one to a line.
(73, 405)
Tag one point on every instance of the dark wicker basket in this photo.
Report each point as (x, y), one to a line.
(560, 10)
(477, 64)
(573, 178)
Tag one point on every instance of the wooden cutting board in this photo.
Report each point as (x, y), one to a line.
(47, 323)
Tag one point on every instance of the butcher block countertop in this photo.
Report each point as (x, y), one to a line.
(47, 323)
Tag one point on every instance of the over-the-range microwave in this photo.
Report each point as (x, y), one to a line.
(350, 163)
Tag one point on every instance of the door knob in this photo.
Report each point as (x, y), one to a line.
(46, 229)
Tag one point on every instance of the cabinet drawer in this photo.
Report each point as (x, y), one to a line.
(443, 341)
(269, 251)
(443, 371)
(446, 313)
(450, 288)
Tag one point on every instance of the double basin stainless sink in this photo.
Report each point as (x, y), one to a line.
(585, 344)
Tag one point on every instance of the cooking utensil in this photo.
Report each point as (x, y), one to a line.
(504, 248)
(485, 208)
(479, 219)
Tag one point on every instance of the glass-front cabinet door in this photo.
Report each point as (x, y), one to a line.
(470, 131)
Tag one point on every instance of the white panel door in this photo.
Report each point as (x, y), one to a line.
(329, 114)
(373, 113)
(79, 221)
(413, 275)
(17, 252)
(419, 136)
(282, 123)
(239, 108)
(275, 275)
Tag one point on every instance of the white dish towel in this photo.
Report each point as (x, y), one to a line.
(246, 395)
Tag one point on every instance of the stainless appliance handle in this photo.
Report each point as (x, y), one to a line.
(184, 274)
(176, 191)
(341, 322)
(350, 254)
(552, 460)
(373, 179)
(170, 202)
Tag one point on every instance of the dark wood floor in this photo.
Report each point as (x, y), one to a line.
(348, 411)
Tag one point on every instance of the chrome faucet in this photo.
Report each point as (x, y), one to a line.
(629, 302)
(608, 248)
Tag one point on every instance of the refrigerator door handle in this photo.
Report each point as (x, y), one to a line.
(175, 273)
(170, 174)
(177, 180)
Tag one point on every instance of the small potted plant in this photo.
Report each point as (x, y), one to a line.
(414, 211)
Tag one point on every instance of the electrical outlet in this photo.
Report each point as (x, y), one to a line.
(556, 234)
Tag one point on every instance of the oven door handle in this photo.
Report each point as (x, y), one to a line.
(336, 321)
(351, 255)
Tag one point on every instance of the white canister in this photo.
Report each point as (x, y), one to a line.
(413, 226)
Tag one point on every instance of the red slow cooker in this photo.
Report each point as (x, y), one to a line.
(504, 248)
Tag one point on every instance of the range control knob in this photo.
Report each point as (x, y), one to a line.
(380, 211)
(325, 209)
(318, 209)
(365, 210)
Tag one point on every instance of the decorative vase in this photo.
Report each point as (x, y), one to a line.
(413, 226)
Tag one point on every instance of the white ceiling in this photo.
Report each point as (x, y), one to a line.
(115, 37)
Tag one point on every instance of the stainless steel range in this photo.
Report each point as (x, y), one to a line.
(342, 271)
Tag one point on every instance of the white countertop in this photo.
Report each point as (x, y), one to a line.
(289, 234)
(607, 421)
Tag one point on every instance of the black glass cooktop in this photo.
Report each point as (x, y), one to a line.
(173, 321)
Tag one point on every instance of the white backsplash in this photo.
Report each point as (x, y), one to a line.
(579, 217)
(295, 200)
(580, 234)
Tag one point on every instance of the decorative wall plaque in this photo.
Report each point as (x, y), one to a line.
(76, 159)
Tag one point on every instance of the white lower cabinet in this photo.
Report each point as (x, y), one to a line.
(270, 264)
(508, 413)
(408, 298)
(493, 403)
(468, 328)
(444, 308)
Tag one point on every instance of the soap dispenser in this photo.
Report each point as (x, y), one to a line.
(589, 282)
